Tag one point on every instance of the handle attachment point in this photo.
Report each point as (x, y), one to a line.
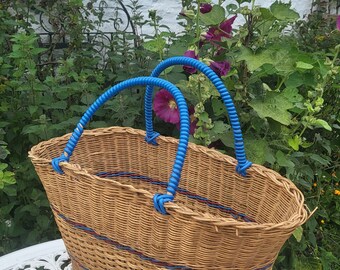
(152, 139)
(242, 170)
(159, 200)
(57, 160)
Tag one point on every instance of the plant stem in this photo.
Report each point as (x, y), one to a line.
(198, 29)
(281, 83)
(252, 4)
(198, 33)
(199, 91)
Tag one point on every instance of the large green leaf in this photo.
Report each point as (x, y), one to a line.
(256, 150)
(275, 106)
(283, 161)
(292, 94)
(254, 61)
(283, 59)
(155, 45)
(215, 16)
(283, 12)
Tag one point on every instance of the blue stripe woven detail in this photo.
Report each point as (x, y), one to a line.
(118, 245)
(243, 163)
(182, 191)
(175, 176)
(123, 247)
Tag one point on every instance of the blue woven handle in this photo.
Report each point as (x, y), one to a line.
(159, 199)
(243, 163)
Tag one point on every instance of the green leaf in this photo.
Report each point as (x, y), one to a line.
(11, 191)
(43, 222)
(283, 12)
(3, 152)
(220, 127)
(327, 259)
(294, 142)
(204, 117)
(36, 51)
(31, 208)
(275, 106)
(283, 161)
(303, 65)
(312, 239)
(168, 70)
(32, 109)
(282, 58)
(254, 61)
(5, 210)
(298, 233)
(61, 105)
(320, 159)
(322, 123)
(3, 166)
(266, 14)
(214, 17)
(292, 94)
(218, 107)
(303, 263)
(8, 178)
(256, 150)
(155, 45)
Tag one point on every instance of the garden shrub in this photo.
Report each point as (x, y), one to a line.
(283, 74)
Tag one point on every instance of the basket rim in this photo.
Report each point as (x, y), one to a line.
(300, 217)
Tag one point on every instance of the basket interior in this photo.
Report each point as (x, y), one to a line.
(209, 183)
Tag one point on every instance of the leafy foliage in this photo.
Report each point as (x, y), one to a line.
(287, 98)
(43, 92)
(285, 86)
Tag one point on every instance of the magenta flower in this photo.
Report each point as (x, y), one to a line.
(224, 30)
(193, 121)
(165, 107)
(220, 67)
(205, 8)
(338, 22)
(191, 54)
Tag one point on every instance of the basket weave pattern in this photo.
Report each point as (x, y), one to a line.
(194, 235)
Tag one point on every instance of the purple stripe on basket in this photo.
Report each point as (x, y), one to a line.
(123, 247)
(182, 191)
(118, 245)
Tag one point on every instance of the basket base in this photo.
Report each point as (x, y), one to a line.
(75, 265)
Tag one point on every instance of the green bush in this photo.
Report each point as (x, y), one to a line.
(285, 85)
(286, 88)
(43, 93)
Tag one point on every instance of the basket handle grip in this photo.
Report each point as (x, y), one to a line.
(159, 199)
(243, 163)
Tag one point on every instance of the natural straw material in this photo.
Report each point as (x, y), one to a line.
(218, 220)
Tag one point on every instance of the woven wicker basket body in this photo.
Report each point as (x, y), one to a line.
(218, 220)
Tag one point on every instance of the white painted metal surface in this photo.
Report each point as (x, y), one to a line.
(51, 255)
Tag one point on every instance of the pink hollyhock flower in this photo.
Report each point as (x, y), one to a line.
(224, 30)
(220, 67)
(193, 121)
(205, 8)
(338, 22)
(191, 54)
(165, 107)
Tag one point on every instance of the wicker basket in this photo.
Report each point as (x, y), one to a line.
(104, 199)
